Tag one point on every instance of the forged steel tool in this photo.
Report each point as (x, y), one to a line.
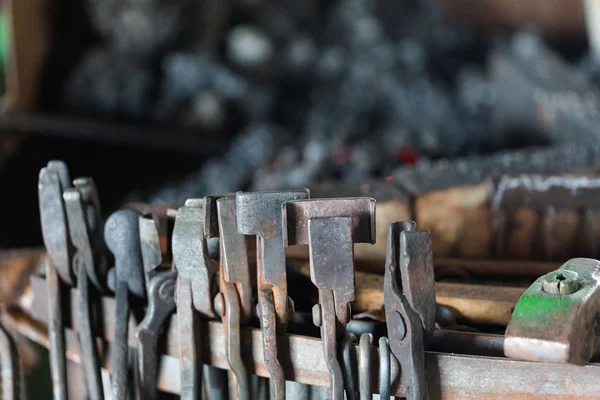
(53, 180)
(260, 214)
(409, 294)
(556, 319)
(88, 263)
(122, 236)
(331, 227)
(195, 290)
(161, 304)
(234, 301)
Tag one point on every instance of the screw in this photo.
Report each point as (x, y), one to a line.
(561, 283)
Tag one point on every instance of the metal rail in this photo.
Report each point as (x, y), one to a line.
(449, 376)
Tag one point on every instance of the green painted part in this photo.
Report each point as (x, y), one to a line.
(4, 36)
(535, 305)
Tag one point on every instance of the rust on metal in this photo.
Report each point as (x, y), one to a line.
(331, 227)
(260, 214)
(235, 291)
(449, 376)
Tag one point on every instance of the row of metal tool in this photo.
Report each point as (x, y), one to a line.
(162, 258)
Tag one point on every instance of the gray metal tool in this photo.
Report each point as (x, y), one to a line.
(88, 263)
(234, 301)
(122, 237)
(556, 319)
(161, 304)
(365, 366)
(155, 227)
(331, 227)
(53, 180)
(10, 367)
(260, 214)
(195, 222)
(409, 293)
(385, 369)
(349, 366)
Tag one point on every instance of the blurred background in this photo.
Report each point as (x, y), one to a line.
(163, 100)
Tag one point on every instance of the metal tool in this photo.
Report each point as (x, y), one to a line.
(349, 366)
(555, 319)
(152, 256)
(122, 236)
(53, 179)
(10, 367)
(195, 222)
(161, 304)
(260, 214)
(331, 227)
(365, 366)
(234, 301)
(89, 266)
(385, 369)
(409, 294)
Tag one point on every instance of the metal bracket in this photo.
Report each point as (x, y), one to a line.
(556, 319)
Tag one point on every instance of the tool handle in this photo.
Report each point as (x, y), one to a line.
(87, 340)
(268, 325)
(121, 348)
(148, 363)
(190, 348)
(56, 327)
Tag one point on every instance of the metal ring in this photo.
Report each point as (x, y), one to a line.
(348, 364)
(385, 370)
(364, 366)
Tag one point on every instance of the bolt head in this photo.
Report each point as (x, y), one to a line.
(561, 283)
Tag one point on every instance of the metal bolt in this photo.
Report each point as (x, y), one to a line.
(316, 315)
(219, 304)
(561, 283)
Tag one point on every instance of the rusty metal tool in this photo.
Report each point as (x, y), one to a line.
(88, 263)
(195, 289)
(234, 301)
(122, 236)
(161, 304)
(409, 294)
(331, 227)
(53, 179)
(556, 318)
(260, 214)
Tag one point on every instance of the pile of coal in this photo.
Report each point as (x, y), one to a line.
(339, 90)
